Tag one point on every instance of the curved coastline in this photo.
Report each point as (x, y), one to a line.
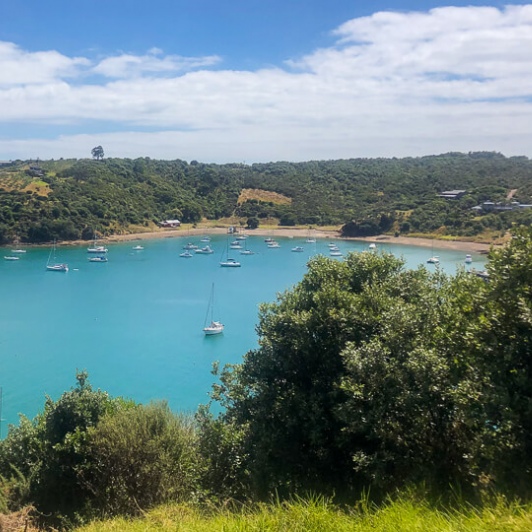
(286, 232)
(461, 245)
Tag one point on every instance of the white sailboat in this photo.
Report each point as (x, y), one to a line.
(95, 248)
(52, 265)
(434, 259)
(310, 238)
(229, 262)
(246, 250)
(211, 326)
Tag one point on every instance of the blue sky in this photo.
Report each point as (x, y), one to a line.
(264, 80)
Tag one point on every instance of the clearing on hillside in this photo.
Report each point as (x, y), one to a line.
(263, 195)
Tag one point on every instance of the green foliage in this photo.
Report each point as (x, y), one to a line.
(223, 455)
(88, 455)
(370, 375)
(368, 196)
(140, 457)
(41, 459)
(252, 222)
(97, 153)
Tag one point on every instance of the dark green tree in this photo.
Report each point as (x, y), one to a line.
(252, 222)
(97, 153)
(371, 375)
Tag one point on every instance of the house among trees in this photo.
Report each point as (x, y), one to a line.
(452, 194)
(35, 171)
(170, 223)
(501, 206)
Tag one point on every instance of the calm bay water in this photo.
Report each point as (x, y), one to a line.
(135, 323)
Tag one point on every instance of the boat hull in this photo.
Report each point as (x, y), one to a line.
(211, 331)
(57, 268)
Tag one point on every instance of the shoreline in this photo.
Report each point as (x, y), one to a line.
(287, 232)
(460, 245)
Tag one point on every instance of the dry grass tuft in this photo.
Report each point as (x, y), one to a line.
(21, 521)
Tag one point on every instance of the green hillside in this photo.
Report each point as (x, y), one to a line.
(73, 199)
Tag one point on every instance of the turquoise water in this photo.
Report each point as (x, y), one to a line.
(135, 323)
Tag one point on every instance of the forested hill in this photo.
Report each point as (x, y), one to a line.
(72, 199)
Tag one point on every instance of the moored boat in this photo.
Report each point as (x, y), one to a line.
(207, 250)
(230, 263)
(97, 249)
(52, 265)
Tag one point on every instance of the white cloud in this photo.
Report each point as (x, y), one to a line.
(451, 79)
(153, 63)
(18, 67)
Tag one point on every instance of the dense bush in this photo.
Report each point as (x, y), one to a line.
(88, 454)
(371, 375)
(140, 457)
(369, 195)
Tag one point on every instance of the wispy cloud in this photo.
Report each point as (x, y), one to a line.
(391, 84)
(153, 63)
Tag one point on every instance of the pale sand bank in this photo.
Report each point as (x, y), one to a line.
(474, 247)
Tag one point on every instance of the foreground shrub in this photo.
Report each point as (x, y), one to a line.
(140, 457)
(88, 454)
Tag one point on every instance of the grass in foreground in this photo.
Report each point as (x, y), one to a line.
(318, 515)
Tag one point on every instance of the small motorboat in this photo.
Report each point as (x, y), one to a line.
(186, 254)
(298, 249)
(138, 248)
(100, 258)
(10, 257)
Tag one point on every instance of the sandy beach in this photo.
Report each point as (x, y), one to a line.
(288, 232)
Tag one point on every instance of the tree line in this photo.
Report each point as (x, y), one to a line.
(71, 199)
(368, 378)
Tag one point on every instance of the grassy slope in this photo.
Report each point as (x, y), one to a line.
(320, 516)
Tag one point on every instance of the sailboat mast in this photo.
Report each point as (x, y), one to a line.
(210, 308)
